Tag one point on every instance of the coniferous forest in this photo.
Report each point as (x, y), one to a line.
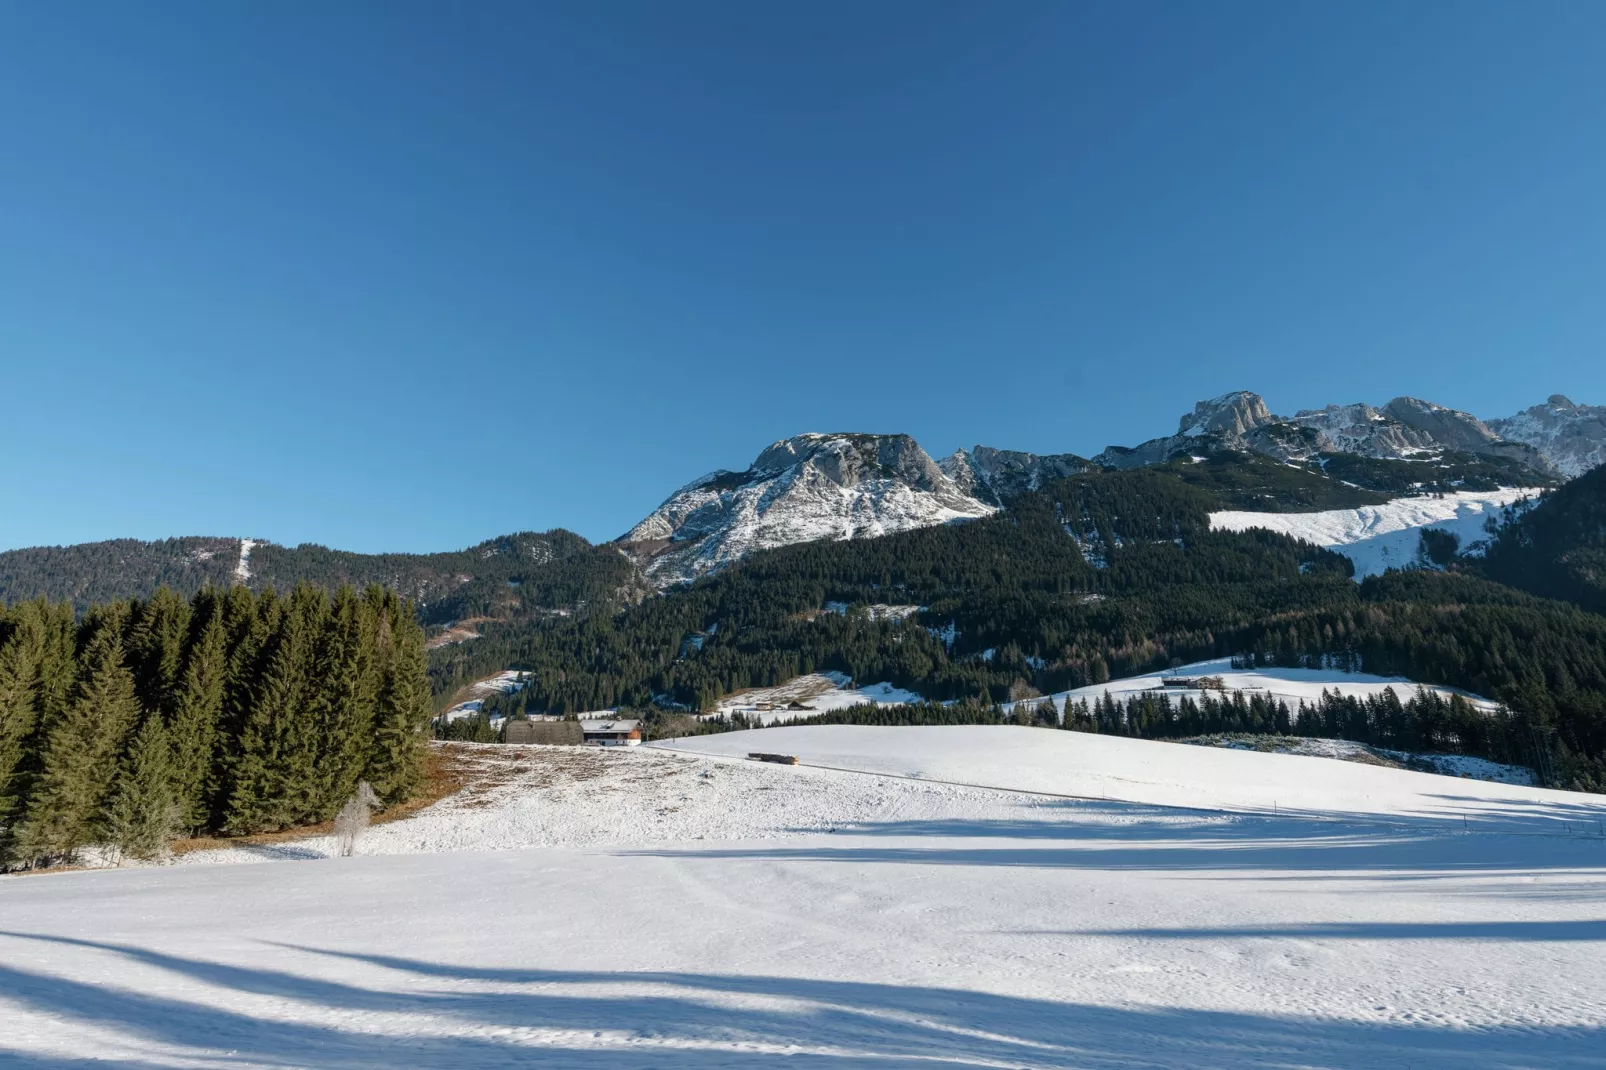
(228, 712)
(1095, 577)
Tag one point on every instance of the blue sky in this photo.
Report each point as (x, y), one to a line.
(402, 276)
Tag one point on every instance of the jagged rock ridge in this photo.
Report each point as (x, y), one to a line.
(800, 489)
(1572, 436)
(1404, 429)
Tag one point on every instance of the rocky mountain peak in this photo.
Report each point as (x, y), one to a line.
(1572, 436)
(799, 489)
(1234, 414)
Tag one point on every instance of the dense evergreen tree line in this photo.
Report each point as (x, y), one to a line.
(226, 712)
(1423, 722)
(1557, 548)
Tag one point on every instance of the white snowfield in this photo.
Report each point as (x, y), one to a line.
(1292, 686)
(1380, 537)
(806, 696)
(835, 918)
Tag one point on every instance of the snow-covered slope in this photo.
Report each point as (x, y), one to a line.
(1572, 436)
(1056, 762)
(1292, 686)
(714, 912)
(800, 489)
(1381, 537)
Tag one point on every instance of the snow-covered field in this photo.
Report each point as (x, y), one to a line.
(840, 918)
(1380, 537)
(1288, 685)
(805, 696)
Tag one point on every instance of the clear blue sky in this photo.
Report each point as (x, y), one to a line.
(405, 276)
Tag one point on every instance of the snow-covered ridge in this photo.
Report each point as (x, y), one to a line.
(1572, 436)
(798, 490)
(1380, 537)
(1405, 428)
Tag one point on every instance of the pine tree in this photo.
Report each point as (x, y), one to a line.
(197, 717)
(79, 760)
(142, 815)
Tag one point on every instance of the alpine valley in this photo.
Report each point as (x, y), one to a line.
(1408, 538)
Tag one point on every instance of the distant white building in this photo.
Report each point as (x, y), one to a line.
(619, 732)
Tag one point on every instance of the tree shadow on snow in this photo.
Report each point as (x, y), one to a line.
(675, 1020)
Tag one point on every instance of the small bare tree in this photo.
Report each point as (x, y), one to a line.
(353, 818)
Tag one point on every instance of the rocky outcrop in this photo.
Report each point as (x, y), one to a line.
(999, 476)
(800, 489)
(1571, 436)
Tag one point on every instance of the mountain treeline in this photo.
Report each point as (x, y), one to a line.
(227, 712)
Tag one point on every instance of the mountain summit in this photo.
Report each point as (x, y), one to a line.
(800, 489)
(845, 486)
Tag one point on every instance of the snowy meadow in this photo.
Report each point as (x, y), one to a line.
(965, 896)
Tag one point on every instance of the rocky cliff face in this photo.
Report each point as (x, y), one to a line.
(855, 485)
(1572, 436)
(997, 476)
(799, 489)
(1404, 429)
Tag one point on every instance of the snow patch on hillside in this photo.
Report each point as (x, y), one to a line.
(805, 696)
(1289, 685)
(1380, 537)
(242, 569)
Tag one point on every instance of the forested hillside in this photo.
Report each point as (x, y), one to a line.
(1558, 548)
(1100, 575)
(225, 712)
(504, 577)
(122, 568)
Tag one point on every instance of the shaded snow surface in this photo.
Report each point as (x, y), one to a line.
(936, 925)
(1380, 537)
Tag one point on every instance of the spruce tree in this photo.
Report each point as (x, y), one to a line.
(79, 759)
(396, 757)
(142, 816)
(274, 771)
(21, 643)
(198, 714)
(158, 629)
(343, 698)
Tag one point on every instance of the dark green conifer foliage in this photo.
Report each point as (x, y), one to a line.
(21, 647)
(396, 755)
(342, 700)
(274, 776)
(79, 760)
(142, 815)
(158, 630)
(198, 716)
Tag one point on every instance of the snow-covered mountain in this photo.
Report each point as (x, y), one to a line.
(995, 476)
(1572, 436)
(799, 489)
(859, 485)
(1404, 429)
